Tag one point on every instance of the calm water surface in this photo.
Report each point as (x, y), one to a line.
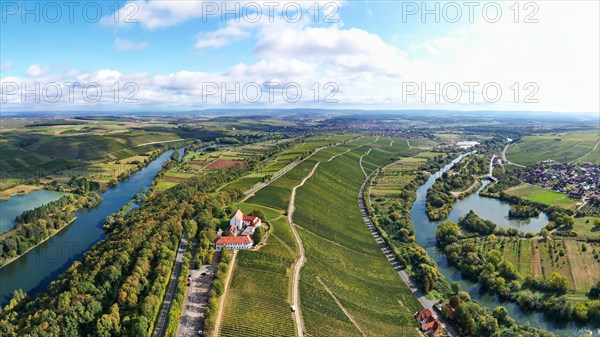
(496, 211)
(17, 204)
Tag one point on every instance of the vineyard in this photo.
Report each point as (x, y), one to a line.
(341, 251)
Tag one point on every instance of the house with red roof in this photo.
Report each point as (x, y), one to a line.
(234, 242)
(423, 315)
(241, 221)
(429, 324)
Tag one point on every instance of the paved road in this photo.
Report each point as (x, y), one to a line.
(161, 326)
(222, 303)
(296, 276)
(192, 316)
(425, 302)
(503, 156)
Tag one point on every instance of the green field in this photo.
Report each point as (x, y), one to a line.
(563, 147)
(260, 288)
(543, 196)
(339, 248)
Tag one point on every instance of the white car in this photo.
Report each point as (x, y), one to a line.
(293, 308)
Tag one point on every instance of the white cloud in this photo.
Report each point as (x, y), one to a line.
(122, 44)
(371, 72)
(155, 14)
(221, 37)
(35, 70)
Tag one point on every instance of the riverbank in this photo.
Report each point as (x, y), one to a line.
(8, 262)
(33, 271)
(497, 211)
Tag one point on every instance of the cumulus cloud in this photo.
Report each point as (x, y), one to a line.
(156, 14)
(35, 70)
(122, 44)
(221, 37)
(371, 72)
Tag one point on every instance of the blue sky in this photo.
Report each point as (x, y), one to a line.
(379, 54)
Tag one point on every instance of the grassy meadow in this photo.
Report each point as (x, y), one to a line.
(543, 196)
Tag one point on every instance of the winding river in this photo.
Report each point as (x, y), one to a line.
(496, 211)
(33, 271)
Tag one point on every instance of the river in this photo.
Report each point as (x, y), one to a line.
(496, 211)
(33, 271)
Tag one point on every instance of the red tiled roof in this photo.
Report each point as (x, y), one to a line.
(428, 326)
(233, 240)
(253, 219)
(423, 314)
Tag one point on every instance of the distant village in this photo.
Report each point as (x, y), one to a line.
(581, 181)
(240, 233)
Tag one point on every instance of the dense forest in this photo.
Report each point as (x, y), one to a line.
(118, 286)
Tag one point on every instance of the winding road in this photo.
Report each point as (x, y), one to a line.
(301, 258)
(503, 155)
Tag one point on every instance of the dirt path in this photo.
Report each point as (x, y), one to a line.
(457, 193)
(360, 162)
(536, 264)
(342, 307)
(296, 275)
(222, 302)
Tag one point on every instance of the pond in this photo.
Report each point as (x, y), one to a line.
(16, 205)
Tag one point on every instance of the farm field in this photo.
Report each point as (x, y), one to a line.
(563, 147)
(338, 245)
(543, 257)
(260, 285)
(338, 249)
(542, 195)
(86, 148)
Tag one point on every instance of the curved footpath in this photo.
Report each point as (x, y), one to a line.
(425, 302)
(301, 258)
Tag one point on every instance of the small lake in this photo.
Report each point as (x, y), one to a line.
(496, 211)
(33, 271)
(17, 204)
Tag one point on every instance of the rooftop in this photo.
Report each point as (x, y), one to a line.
(224, 240)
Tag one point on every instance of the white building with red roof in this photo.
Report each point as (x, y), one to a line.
(240, 220)
(234, 242)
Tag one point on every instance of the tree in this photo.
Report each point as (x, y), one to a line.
(259, 234)
(544, 232)
(455, 287)
(557, 283)
(447, 233)
(594, 292)
(258, 213)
